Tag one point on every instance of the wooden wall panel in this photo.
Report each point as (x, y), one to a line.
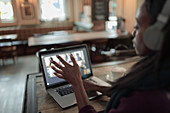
(130, 13)
(87, 2)
(120, 7)
(78, 8)
(127, 9)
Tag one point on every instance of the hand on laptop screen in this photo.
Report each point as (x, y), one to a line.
(79, 57)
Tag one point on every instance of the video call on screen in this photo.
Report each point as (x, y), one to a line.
(79, 56)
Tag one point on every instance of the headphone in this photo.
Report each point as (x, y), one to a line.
(153, 36)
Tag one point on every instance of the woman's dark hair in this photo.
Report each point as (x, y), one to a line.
(153, 8)
(150, 67)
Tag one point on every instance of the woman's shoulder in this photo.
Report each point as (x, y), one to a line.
(150, 96)
(156, 101)
(149, 93)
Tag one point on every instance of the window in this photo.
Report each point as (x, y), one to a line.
(111, 25)
(52, 10)
(112, 7)
(6, 11)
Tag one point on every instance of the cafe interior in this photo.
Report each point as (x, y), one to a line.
(30, 26)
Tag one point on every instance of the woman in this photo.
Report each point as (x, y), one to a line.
(146, 88)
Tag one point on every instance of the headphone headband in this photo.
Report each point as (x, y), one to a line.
(153, 36)
(163, 17)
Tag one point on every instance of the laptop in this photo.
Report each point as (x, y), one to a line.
(58, 88)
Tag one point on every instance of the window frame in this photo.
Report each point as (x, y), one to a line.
(15, 22)
(69, 11)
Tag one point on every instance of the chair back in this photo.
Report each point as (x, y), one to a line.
(7, 49)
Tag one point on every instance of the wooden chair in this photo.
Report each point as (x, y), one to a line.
(7, 50)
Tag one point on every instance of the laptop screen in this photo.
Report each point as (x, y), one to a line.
(79, 52)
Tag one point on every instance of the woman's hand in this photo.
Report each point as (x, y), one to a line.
(89, 86)
(73, 75)
(68, 72)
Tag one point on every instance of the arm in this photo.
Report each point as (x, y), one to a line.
(81, 96)
(82, 100)
(89, 86)
(105, 90)
(65, 72)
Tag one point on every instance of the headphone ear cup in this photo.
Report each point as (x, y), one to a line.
(153, 38)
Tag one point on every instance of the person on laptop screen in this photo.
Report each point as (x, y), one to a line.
(146, 87)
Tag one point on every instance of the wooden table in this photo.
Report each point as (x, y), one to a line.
(70, 38)
(38, 100)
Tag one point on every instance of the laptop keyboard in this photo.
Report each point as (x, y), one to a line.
(65, 90)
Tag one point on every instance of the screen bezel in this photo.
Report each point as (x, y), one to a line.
(68, 48)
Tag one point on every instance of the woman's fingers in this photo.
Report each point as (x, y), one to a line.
(57, 71)
(73, 60)
(57, 65)
(58, 75)
(62, 60)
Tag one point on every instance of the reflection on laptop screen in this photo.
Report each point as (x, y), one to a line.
(79, 53)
